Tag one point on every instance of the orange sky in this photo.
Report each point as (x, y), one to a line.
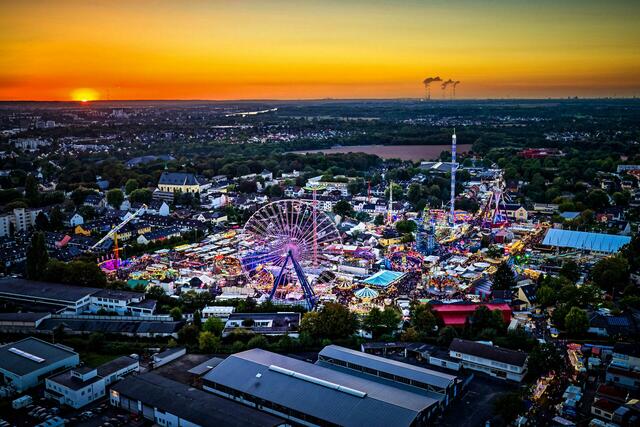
(239, 49)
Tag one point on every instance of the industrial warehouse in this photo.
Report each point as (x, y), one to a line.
(375, 392)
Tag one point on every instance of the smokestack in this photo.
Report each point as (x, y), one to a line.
(427, 82)
(456, 83)
(444, 87)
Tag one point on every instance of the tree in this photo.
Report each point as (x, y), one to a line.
(176, 313)
(208, 342)
(484, 318)
(80, 194)
(31, 190)
(621, 198)
(213, 325)
(363, 217)
(259, 341)
(334, 321)
(355, 186)
(42, 222)
(115, 197)
(422, 319)
(378, 220)
(130, 186)
(381, 322)
(37, 257)
(611, 273)
(543, 359)
(503, 278)
(247, 187)
(631, 252)
(58, 333)
(141, 195)
(446, 335)
(56, 219)
(84, 273)
(188, 335)
(197, 319)
(546, 296)
(508, 406)
(343, 208)
(237, 347)
(597, 199)
(570, 270)
(406, 226)
(414, 193)
(576, 321)
(156, 293)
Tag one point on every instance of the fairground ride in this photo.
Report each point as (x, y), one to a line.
(113, 234)
(288, 239)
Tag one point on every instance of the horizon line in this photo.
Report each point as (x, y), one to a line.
(573, 97)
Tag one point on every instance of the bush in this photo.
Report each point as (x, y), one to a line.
(237, 347)
(208, 343)
(259, 341)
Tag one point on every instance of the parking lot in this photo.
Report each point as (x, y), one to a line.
(97, 414)
(475, 405)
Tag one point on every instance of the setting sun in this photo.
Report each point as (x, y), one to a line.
(85, 95)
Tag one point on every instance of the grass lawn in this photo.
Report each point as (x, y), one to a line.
(96, 359)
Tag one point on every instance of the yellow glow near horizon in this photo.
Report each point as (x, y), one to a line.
(224, 49)
(84, 95)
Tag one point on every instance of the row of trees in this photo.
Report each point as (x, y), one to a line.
(39, 266)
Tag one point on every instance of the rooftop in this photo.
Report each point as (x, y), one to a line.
(384, 278)
(205, 366)
(330, 395)
(68, 380)
(393, 367)
(31, 354)
(598, 242)
(52, 291)
(190, 403)
(491, 352)
(115, 365)
(178, 178)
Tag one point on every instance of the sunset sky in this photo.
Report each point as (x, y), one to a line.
(242, 49)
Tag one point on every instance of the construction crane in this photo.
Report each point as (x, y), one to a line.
(114, 234)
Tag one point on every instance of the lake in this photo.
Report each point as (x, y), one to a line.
(403, 152)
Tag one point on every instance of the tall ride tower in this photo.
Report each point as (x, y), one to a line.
(454, 167)
(390, 210)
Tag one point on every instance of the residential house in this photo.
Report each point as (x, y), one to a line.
(263, 323)
(495, 361)
(76, 220)
(515, 212)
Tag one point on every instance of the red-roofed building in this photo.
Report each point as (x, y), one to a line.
(457, 314)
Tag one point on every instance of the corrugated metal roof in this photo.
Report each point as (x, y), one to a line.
(598, 242)
(393, 367)
(381, 405)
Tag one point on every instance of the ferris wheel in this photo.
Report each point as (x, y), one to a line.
(287, 237)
